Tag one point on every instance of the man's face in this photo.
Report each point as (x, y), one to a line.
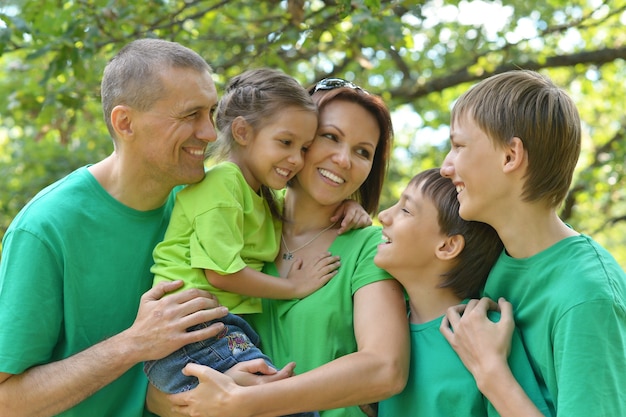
(170, 139)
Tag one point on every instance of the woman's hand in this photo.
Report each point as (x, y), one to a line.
(257, 371)
(201, 401)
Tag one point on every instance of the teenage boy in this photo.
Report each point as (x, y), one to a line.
(515, 143)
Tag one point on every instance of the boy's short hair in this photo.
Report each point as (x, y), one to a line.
(527, 105)
(482, 244)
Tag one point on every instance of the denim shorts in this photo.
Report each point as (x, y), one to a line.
(236, 343)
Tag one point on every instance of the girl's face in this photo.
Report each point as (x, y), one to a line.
(340, 159)
(274, 154)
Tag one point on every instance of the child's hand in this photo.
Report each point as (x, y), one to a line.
(306, 279)
(352, 216)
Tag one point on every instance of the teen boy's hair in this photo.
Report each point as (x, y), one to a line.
(527, 105)
(482, 244)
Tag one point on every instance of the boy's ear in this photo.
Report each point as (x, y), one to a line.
(242, 131)
(450, 247)
(121, 120)
(515, 155)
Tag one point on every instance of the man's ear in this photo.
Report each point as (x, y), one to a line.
(121, 120)
(515, 155)
(242, 131)
(450, 247)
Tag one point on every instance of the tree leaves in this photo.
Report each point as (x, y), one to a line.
(418, 55)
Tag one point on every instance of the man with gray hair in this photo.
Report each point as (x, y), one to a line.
(78, 316)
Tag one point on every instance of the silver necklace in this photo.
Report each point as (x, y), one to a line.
(288, 255)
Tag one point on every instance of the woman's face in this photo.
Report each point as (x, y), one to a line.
(341, 156)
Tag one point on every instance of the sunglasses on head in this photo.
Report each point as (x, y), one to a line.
(332, 83)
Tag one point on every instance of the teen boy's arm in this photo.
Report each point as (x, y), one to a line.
(484, 348)
(588, 357)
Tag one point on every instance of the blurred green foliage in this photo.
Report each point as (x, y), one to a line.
(418, 55)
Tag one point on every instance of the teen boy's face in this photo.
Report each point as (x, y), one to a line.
(414, 215)
(474, 164)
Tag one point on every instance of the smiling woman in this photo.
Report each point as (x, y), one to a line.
(347, 160)
(349, 339)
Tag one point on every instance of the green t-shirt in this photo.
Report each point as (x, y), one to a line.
(75, 263)
(569, 303)
(439, 385)
(218, 224)
(319, 328)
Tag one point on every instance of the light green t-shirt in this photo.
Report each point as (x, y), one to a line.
(75, 263)
(218, 224)
(320, 327)
(439, 385)
(569, 303)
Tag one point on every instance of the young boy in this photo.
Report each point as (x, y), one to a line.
(447, 263)
(515, 142)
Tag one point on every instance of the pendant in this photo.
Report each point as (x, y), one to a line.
(287, 256)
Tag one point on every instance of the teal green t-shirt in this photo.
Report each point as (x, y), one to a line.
(439, 385)
(75, 263)
(319, 328)
(218, 224)
(569, 303)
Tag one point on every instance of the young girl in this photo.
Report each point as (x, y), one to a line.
(226, 227)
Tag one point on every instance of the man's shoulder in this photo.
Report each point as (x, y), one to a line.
(56, 196)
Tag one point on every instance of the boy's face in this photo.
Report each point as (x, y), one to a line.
(411, 233)
(474, 164)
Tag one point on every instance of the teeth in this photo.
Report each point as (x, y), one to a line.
(331, 176)
(283, 172)
(386, 239)
(196, 152)
(459, 188)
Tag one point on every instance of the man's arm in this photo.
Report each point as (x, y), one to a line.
(159, 329)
